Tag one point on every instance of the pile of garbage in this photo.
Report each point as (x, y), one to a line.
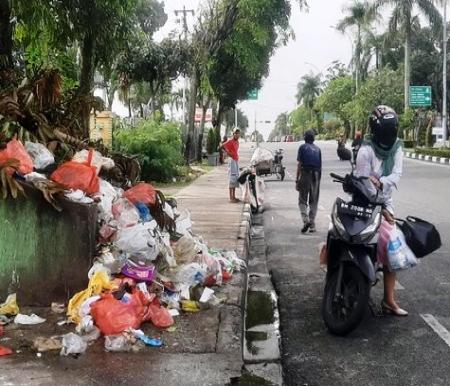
(149, 267)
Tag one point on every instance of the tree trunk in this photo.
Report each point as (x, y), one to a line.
(202, 131)
(110, 94)
(141, 108)
(6, 45)
(407, 67)
(87, 79)
(129, 108)
(189, 153)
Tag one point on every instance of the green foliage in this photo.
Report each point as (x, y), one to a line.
(211, 142)
(156, 144)
(384, 87)
(335, 96)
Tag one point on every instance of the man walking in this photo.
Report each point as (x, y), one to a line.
(309, 171)
(232, 148)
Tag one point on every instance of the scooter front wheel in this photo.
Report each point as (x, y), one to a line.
(344, 308)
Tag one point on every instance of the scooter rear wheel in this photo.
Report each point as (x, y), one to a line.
(343, 314)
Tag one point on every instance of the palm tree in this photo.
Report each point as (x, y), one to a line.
(308, 89)
(401, 22)
(360, 14)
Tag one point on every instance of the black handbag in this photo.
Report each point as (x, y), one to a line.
(422, 237)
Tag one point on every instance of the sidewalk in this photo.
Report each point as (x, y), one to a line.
(206, 347)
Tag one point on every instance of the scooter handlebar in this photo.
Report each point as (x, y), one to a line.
(337, 177)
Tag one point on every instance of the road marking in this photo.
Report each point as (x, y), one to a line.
(437, 327)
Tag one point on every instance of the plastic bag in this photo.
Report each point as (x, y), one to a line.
(74, 175)
(399, 254)
(15, 150)
(5, 351)
(144, 212)
(191, 274)
(107, 195)
(185, 250)
(142, 192)
(125, 213)
(138, 239)
(98, 161)
(118, 343)
(261, 155)
(184, 223)
(41, 156)
(9, 307)
(113, 316)
(72, 344)
(159, 316)
(98, 283)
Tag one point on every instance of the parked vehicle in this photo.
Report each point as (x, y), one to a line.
(351, 254)
(267, 163)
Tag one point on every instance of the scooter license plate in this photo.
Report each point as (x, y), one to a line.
(355, 210)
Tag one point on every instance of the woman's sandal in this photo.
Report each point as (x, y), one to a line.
(387, 309)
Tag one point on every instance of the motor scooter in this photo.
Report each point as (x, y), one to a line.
(351, 253)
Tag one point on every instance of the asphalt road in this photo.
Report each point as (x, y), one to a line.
(383, 350)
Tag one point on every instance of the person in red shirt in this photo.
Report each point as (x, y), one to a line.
(232, 148)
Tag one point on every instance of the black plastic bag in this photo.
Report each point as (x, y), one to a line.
(421, 236)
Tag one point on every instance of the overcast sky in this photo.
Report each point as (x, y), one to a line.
(316, 45)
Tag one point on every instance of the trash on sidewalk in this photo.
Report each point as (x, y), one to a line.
(28, 319)
(42, 344)
(149, 266)
(9, 307)
(72, 344)
(5, 351)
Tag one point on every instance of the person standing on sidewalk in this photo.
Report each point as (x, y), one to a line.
(309, 172)
(232, 148)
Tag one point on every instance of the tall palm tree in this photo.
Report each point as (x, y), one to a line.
(401, 22)
(360, 14)
(308, 89)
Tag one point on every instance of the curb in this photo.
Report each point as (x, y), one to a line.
(261, 339)
(428, 158)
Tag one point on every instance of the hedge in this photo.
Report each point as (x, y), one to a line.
(442, 153)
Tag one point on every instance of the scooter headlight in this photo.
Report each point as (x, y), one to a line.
(369, 232)
(338, 225)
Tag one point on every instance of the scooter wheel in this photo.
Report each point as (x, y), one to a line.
(343, 315)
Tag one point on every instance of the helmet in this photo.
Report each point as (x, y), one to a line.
(383, 124)
(309, 136)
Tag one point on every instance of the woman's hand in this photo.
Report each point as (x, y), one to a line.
(375, 181)
(388, 216)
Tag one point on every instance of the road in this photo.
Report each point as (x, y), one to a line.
(383, 350)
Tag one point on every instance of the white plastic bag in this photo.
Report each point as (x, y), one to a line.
(184, 223)
(98, 161)
(73, 344)
(125, 213)
(399, 254)
(42, 157)
(185, 250)
(138, 239)
(107, 195)
(261, 155)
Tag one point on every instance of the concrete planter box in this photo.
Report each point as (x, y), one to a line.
(213, 159)
(44, 254)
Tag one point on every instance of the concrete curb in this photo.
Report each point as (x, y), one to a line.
(261, 340)
(428, 158)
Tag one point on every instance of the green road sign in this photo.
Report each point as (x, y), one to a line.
(420, 96)
(252, 95)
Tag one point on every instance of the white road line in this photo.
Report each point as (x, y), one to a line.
(437, 327)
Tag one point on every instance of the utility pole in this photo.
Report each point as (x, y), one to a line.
(184, 12)
(444, 76)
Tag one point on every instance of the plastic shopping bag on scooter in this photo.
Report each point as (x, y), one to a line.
(399, 254)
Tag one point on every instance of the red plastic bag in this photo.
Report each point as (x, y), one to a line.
(75, 175)
(5, 351)
(159, 316)
(113, 316)
(15, 150)
(142, 192)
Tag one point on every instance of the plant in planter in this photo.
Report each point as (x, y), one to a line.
(211, 148)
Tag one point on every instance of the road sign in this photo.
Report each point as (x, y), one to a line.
(252, 95)
(199, 114)
(420, 96)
